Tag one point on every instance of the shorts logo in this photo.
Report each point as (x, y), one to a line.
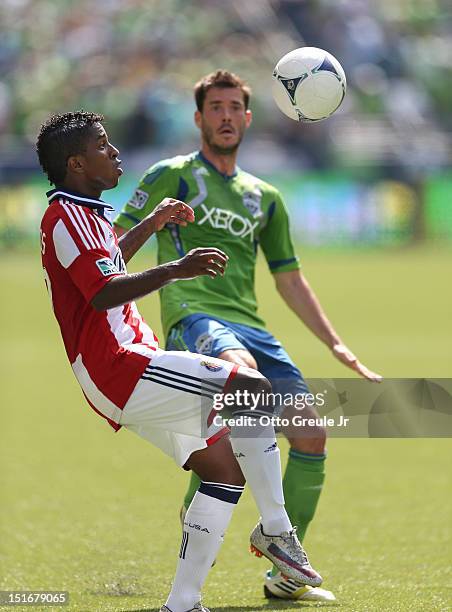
(212, 367)
(107, 267)
(203, 343)
(139, 199)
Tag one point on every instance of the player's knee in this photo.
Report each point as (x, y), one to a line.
(230, 474)
(308, 438)
(317, 438)
(240, 357)
(312, 440)
(312, 446)
(253, 390)
(217, 463)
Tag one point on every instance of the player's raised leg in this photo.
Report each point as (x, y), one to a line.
(256, 450)
(302, 486)
(175, 381)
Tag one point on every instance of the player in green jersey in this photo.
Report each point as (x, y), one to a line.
(238, 212)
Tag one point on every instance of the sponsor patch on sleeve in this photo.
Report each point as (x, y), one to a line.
(106, 266)
(139, 199)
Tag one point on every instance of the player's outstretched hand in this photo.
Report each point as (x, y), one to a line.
(171, 211)
(202, 261)
(344, 354)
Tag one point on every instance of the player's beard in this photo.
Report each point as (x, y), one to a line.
(208, 137)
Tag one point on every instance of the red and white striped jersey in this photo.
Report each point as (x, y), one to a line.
(108, 350)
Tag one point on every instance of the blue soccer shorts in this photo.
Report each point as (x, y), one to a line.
(200, 333)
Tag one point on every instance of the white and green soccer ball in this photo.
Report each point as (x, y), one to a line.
(309, 84)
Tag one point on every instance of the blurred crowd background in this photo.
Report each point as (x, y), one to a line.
(376, 172)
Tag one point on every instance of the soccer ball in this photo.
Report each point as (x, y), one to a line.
(308, 84)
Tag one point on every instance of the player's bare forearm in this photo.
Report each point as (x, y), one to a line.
(131, 241)
(129, 287)
(168, 211)
(123, 289)
(299, 296)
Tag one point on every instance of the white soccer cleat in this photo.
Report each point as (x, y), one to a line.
(197, 608)
(277, 587)
(286, 552)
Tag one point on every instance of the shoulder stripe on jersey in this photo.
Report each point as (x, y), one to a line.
(75, 224)
(81, 214)
(82, 224)
(94, 227)
(103, 232)
(76, 212)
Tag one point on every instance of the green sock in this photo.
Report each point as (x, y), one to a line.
(302, 482)
(195, 481)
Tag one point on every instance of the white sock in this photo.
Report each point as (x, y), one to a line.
(260, 462)
(205, 523)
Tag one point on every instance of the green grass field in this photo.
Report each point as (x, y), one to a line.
(96, 513)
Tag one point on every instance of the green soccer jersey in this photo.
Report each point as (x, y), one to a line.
(234, 213)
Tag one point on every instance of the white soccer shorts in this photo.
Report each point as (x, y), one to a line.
(172, 405)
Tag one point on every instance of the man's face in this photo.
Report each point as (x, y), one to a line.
(223, 119)
(100, 163)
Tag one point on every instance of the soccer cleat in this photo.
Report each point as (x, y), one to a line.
(197, 608)
(286, 552)
(277, 587)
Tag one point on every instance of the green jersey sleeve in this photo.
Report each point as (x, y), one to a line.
(157, 183)
(276, 241)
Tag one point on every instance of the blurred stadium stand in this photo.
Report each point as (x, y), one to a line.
(376, 172)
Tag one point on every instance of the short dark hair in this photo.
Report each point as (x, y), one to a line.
(60, 137)
(222, 79)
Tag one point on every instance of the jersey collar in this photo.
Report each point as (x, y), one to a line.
(102, 208)
(205, 161)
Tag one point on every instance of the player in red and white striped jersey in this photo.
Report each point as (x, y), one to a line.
(108, 349)
(129, 380)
